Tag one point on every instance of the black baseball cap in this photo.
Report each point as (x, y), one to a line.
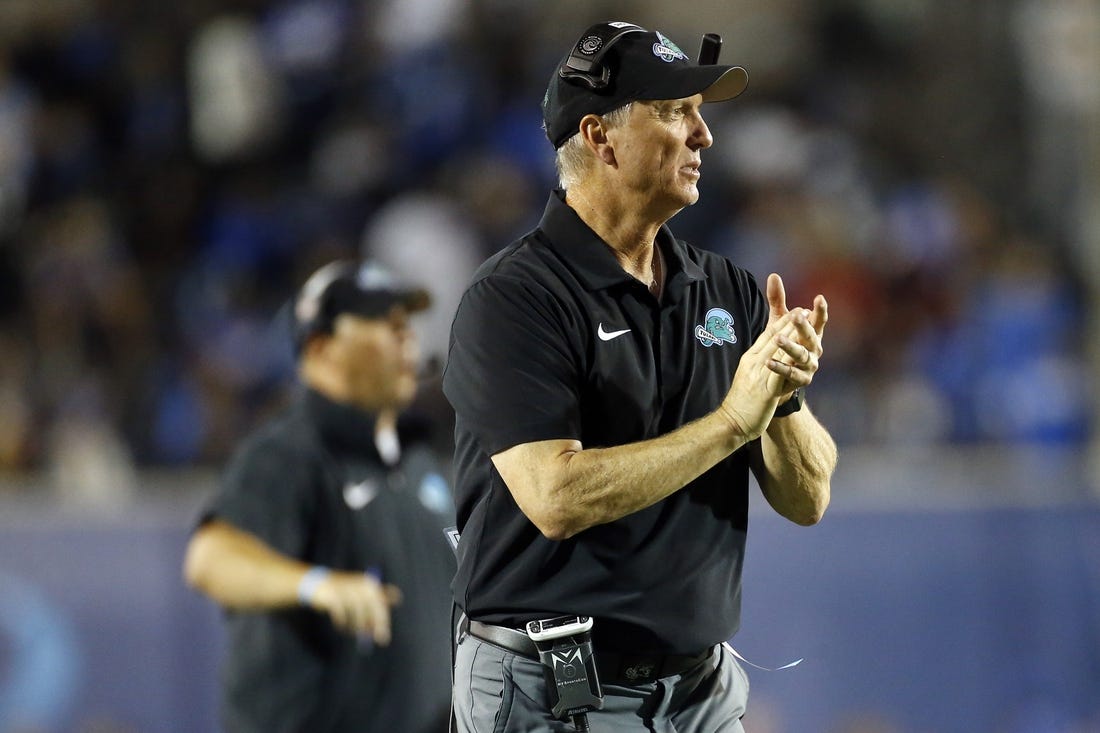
(366, 289)
(618, 62)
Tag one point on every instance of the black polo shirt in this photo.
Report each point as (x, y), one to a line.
(553, 339)
(312, 485)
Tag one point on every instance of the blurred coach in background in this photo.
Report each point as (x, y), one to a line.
(324, 543)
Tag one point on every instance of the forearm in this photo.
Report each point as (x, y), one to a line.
(576, 488)
(799, 457)
(238, 571)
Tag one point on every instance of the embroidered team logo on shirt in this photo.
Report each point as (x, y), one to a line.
(434, 493)
(716, 329)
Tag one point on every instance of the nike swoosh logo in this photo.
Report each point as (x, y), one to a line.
(607, 336)
(357, 496)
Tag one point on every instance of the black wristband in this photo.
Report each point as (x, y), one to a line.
(794, 404)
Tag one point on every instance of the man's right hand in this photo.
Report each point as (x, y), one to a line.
(357, 603)
(784, 358)
(755, 392)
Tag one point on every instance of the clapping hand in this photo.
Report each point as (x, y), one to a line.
(798, 345)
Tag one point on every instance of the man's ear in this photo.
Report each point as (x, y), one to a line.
(593, 131)
(315, 345)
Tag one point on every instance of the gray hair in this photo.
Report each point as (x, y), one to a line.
(572, 158)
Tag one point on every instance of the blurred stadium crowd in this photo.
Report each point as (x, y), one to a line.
(169, 172)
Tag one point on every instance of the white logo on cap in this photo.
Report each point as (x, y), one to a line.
(373, 277)
(666, 50)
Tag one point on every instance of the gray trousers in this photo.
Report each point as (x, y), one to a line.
(496, 691)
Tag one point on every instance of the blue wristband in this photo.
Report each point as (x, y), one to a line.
(307, 586)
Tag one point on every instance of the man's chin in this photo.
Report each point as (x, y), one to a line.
(686, 195)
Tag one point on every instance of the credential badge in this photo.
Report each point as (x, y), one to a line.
(716, 329)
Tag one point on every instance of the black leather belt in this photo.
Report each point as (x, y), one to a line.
(614, 668)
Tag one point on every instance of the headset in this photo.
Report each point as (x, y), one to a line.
(312, 308)
(584, 65)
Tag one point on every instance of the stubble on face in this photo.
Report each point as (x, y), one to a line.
(659, 152)
(379, 360)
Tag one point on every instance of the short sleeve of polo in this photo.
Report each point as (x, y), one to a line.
(511, 374)
(267, 490)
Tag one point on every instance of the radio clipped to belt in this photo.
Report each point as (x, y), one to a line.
(564, 644)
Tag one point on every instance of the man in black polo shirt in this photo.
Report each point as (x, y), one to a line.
(613, 387)
(325, 542)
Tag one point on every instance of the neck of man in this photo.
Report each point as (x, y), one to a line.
(333, 384)
(627, 227)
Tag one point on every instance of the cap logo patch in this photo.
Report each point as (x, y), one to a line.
(590, 45)
(666, 50)
(716, 329)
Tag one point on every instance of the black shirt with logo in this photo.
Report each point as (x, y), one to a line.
(554, 340)
(312, 485)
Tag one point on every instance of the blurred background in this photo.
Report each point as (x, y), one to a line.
(169, 173)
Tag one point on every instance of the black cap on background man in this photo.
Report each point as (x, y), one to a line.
(367, 290)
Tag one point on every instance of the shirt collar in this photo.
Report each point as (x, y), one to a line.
(341, 425)
(349, 429)
(591, 258)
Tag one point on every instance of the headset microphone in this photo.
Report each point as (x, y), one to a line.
(709, 49)
(430, 370)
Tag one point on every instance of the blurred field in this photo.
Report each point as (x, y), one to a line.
(934, 599)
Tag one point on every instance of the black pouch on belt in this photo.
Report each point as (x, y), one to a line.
(565, 650)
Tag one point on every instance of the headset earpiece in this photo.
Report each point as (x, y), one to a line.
(584, 63)
(312, 305)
